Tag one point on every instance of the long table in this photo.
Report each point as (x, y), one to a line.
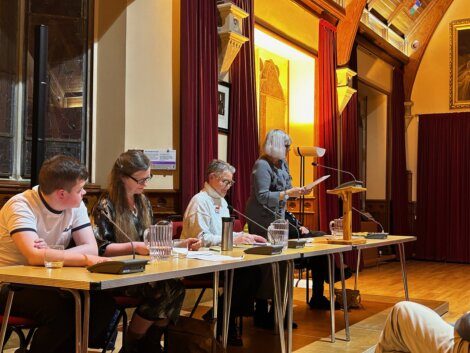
(77, 280)
(399, 241)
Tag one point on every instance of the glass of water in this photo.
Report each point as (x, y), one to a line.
(54, 256)
(180, 248)
(278, 233)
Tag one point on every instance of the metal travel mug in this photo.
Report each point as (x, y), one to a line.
(227, 233)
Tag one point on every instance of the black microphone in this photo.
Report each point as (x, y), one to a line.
(375, 235)
(118, 266)
(354, 182)
(259, 250)
(291, 243)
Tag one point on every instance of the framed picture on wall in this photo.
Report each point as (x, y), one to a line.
(223, 106)
(459, 64)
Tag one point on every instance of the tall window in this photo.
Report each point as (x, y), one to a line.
(68, 77)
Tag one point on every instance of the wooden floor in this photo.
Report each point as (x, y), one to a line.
(428, 282)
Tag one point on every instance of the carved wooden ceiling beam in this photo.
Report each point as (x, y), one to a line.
(371, 3)
(422, 31)
(403, 5)
(347, 29)
(326, 9)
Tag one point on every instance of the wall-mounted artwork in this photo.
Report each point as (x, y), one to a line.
(223, 99)
(273, 101)
(459, 64)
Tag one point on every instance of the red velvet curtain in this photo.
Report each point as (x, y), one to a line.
(243, 147)
(350, 162)
(399, 189)
(327, 122)
(443, 187)
(199, 82)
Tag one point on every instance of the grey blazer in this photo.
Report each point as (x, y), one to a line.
(267, 181)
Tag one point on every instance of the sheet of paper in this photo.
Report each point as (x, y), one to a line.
(316, 182)
(211, 256)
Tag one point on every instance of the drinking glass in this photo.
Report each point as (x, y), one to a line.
(54, 256)
(180, 248)
(278, 232)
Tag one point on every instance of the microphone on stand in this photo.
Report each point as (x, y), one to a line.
(354, 182)
(263, 249)
(104, 213)
(118, 266)
(291, 243)
(370, 235)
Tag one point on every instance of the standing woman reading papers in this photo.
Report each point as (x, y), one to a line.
(271, 187)
(128, 207)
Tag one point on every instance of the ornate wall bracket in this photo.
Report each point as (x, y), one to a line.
(408, 115)
(344, 86)
(230, 32)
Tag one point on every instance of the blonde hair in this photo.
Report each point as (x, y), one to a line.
(275, 143)
(127, 164)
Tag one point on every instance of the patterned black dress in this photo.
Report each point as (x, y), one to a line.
(159, 300)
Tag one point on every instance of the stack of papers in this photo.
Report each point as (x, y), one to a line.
(211, 256)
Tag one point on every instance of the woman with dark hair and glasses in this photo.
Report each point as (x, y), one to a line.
(128, 207)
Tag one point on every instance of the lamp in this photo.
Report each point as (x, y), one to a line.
(302, 152)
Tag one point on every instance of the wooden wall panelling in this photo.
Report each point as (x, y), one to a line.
(310, 211)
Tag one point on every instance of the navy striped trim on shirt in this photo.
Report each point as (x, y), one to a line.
(81, 227)
(22, 230)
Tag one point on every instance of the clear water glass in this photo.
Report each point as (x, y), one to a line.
(180, 248)
(54, 256)
(278, 232)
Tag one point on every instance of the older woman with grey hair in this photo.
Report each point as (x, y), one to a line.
(203, 216)
(271, 187)
(271, 183)
(203, 219)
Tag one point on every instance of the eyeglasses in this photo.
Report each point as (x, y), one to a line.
(227, 182)
(287, 147)
(142, 181)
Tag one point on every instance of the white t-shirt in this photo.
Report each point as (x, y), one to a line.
(29, 211)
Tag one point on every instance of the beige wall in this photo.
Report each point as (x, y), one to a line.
(109, 86)
(374, 70)
(291, 19)
(136, 74)
(430, 92)
(151, 96)
(376, 144)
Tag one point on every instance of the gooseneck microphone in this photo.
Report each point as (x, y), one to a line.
(371, 235)
(104, 213)
(370, 218)
(354, 182)
(291, 243)
(263, 249)
(118, 267)
(278, 216)
(231, 208)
